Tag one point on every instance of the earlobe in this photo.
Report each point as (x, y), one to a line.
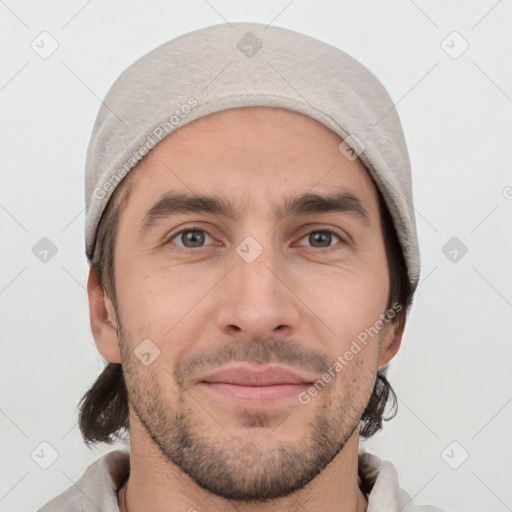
(102, 319)
(391, 339)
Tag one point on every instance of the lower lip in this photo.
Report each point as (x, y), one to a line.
(256, 394)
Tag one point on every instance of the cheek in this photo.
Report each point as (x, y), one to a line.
(347, 300)
(165, 305)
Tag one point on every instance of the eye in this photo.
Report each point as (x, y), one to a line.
(191, 238)
(321, 239)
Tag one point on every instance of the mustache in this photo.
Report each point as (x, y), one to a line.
(287, 352)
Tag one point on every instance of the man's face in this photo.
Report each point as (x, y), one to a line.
(248, 309)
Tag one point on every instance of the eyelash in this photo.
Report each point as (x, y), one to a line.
(196, 228)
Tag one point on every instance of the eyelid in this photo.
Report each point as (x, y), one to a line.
(173, 235)
(313, 227)
(344, 240)
(330, 231)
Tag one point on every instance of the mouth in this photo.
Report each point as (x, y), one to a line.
(245, 385)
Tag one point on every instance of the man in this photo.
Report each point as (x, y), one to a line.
(253, 256)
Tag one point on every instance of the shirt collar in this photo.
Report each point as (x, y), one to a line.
(98, 487)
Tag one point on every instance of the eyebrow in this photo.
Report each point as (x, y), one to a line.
(174, 203)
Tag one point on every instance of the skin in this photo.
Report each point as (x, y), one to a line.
(297, 305)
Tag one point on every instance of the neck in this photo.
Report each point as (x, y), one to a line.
(157, 484)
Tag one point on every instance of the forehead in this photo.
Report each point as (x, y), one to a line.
(250, 149)
(265, 118)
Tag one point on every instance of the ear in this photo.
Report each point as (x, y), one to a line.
(391, 339)
(102, 317)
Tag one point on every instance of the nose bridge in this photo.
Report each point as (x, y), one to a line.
(255, 274)
(254, 267)
(257, 301)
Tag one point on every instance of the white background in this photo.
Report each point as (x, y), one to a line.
(453, 372)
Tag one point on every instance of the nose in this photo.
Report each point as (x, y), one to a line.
(258, 299)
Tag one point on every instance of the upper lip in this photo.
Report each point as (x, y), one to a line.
(244, 376)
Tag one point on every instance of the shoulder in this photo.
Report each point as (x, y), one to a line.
(97, 487)
(381, 479)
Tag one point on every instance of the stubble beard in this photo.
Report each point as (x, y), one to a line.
(244, 469)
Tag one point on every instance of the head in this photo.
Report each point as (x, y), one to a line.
(250, 285)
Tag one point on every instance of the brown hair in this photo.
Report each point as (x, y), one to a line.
(103, 415)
